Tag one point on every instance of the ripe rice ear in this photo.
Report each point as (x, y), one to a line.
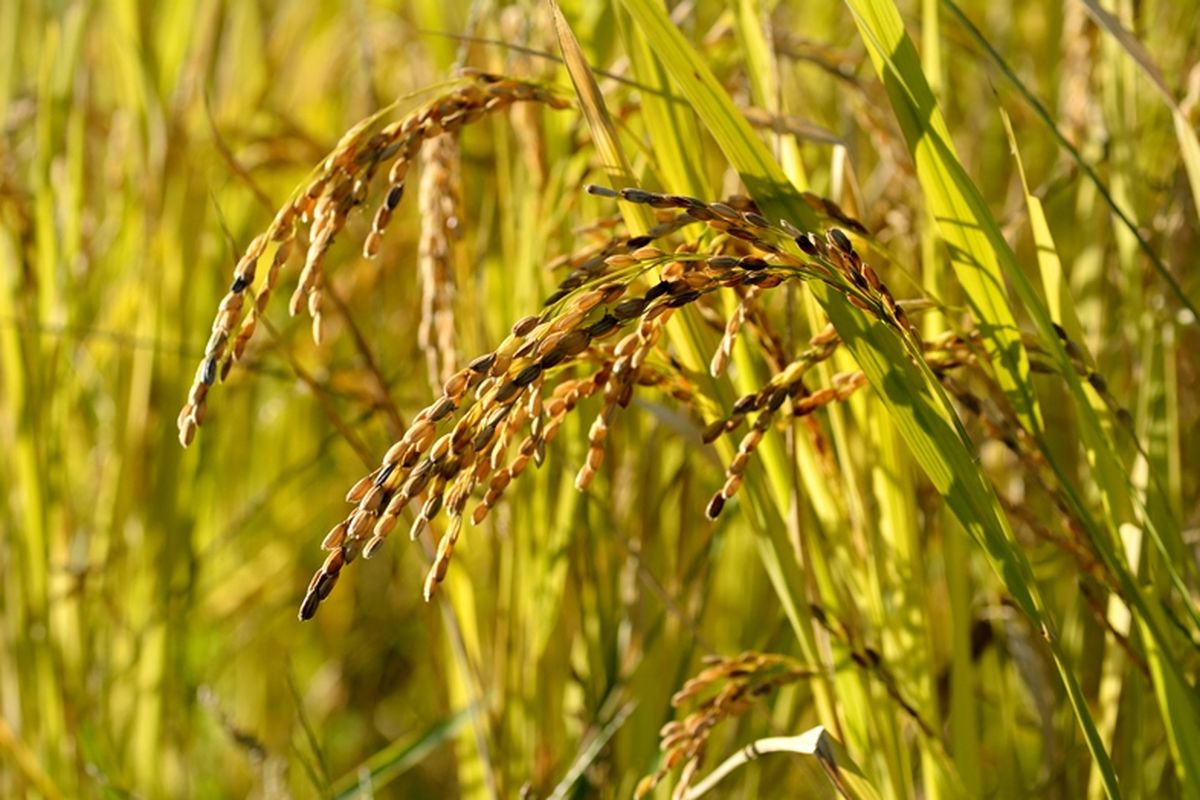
(440, 202)
(319, 211)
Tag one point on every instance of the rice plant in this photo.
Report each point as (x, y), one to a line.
(772, 409)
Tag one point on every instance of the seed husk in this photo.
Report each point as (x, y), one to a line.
(840, 240)
(806, 245)
(658, 290)
(629, 308)
(683, 299)
(605, 325)
(527, 375)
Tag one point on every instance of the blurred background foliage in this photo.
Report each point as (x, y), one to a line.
(148, 639)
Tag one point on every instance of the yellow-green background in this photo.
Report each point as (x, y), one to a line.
(148, 639)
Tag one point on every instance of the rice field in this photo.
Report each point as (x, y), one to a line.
(630, 399)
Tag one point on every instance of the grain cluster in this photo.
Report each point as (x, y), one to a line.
(600, 332)
(319, 211)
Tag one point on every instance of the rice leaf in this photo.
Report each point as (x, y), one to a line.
(591, 102)
(1178, 710)
(390, 763)
(1048, 120)
(919, 409)
(979, 254)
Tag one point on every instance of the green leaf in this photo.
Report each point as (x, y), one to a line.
(600, 123)
(1192, 161)
(979, 254)
(398, 757)
(916, 403)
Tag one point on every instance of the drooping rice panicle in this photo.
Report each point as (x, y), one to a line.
(320, 210)
(440, 200)
(501, 392)
(729, 687)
